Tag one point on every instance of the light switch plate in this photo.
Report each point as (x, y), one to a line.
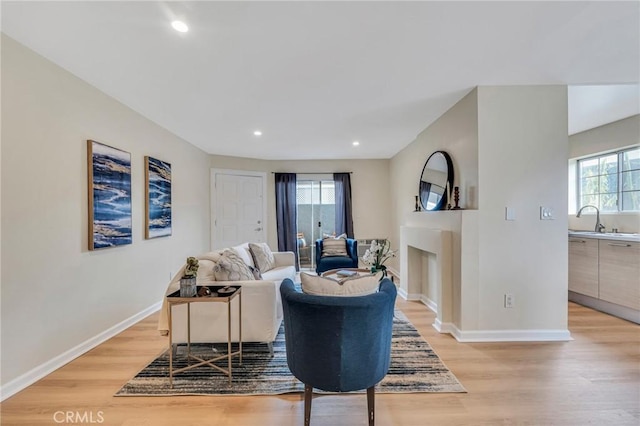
(509, 213)
(546, 213)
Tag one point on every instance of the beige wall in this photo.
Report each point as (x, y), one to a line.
(55, 293)
(369, 189)
(617, 135)
(509, 147)
(455, 132)
(522, 163)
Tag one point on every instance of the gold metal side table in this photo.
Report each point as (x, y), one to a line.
(219, 294)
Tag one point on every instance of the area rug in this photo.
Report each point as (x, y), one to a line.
(415, 367)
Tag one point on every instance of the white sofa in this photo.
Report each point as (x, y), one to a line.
(261, 303)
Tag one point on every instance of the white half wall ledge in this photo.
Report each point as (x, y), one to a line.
(32, 376)
(511, 335)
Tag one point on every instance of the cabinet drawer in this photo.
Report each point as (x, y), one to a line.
(620, 272)
(583, 266)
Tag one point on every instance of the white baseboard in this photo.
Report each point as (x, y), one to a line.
(488, 335)
(32, 376)
(433, 306)
(444, 327)
(510, 335)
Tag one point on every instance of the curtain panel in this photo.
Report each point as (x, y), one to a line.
(344, 217)
(287, 213)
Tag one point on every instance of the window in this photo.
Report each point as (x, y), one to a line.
(610, 181)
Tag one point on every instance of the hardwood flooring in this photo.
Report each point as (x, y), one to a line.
(592, 380)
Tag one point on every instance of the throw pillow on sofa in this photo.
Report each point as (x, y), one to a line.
(262, 256)
(352, 286)
(230, 267)
(335, 246)
(243, 251)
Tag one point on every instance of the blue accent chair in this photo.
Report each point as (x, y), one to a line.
(336, 262)
(338, 344)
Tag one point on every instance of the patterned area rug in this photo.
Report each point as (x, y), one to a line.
(415, 367)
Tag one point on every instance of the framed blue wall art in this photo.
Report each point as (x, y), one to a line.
(157, 198)
(109, 171)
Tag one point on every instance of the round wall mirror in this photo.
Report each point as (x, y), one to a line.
(437, 172)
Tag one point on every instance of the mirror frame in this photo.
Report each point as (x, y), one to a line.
(450, 175)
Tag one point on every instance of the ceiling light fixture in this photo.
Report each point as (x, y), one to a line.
(257, 133)
(356, 143)
(180, 26)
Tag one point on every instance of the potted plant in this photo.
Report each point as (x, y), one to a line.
(188, 281)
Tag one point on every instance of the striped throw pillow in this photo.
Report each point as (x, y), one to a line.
(334, 247)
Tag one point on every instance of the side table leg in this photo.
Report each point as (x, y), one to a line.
(188, 333)
(229, 338)
(170, 349)
(240, 325)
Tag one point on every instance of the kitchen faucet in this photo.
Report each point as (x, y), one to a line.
(599, 226)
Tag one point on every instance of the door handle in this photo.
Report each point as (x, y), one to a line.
(258, 229)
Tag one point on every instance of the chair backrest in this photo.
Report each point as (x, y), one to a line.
(338, 344)
(352, 251)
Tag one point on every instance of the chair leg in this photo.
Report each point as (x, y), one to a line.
(371, 404)
(308, 394)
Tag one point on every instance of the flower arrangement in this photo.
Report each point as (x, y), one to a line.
(377, 254)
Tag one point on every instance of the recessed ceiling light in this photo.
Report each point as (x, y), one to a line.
(180, 26)
(257, 133)
(356, 143)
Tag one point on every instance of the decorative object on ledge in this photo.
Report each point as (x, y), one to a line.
(435, 182)
(188, 286)
(157, 198)
(417, 207)
(109, 184)
(377, 254)
(456, 198)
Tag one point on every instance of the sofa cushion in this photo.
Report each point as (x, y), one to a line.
(243, 251)
(205, 270)
(279, 273)
(256, 272)
(230, 267)
(334, 246)
(352, 286)
(262, 256)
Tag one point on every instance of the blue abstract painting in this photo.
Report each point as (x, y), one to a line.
(109, 196)
(158, 198)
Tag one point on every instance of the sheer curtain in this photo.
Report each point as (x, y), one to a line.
(344, 218)
(287, 213)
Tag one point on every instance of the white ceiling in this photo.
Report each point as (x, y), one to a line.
(315, 76)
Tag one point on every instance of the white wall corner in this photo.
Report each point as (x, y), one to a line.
(37, 373)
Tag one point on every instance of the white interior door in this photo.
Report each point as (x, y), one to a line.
(238, 208)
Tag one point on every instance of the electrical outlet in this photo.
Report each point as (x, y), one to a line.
(509, 300)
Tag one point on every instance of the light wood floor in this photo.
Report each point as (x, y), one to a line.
(594, 379)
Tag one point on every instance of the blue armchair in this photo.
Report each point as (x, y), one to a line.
(336, 262)
(338, 344)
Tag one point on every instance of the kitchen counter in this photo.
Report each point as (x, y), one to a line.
(618, 236)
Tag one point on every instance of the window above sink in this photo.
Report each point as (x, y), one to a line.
(610, 181)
